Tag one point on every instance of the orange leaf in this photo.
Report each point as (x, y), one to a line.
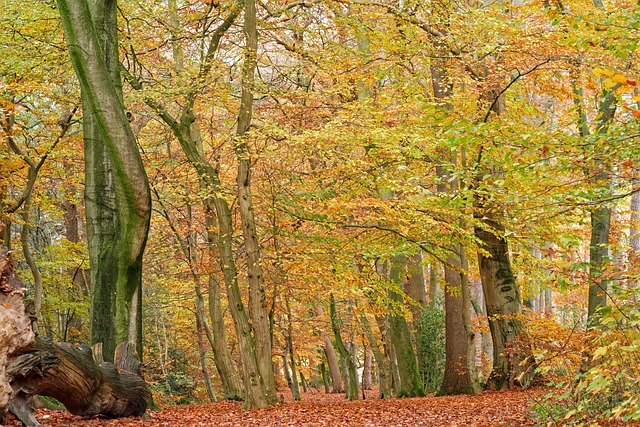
(6, 305)
(636, 114)
(619, 78)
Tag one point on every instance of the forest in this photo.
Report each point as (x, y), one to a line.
(260, 202)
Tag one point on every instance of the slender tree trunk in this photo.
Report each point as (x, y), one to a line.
(352, 389)
(257, 302)
(433, 284)
(231, 382)
(598, 256)
(410, 381)
(325, 380)
(30, 259)
(295, 387)
(366, 370)
(202, 350)
(599, 173)
(470, 335)
(384, 378)
(332, 359)
(634, 219)
(72, 224)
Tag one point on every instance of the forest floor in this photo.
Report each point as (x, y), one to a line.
(499, 409)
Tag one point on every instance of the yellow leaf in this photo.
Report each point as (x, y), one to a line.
(619, 78)
(608, 83)
(599, 72)
(623, 89)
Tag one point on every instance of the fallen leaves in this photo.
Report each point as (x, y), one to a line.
(509, 408)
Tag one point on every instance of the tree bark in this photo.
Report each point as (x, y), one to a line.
(69, 373)
(257, 302)
(598, 256)
(118, 201)
(295, 386)
(410, 381)
(232, 384)
(16, 335)
(345, 355)
(202, 349)
(511, 352)
(384, 375)
(332, 359)
(456, 378)
(599, 173)
(366, 370)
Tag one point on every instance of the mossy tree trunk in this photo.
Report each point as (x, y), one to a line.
(118, 201)
(345, 355)
(410, 381)
(382, 362)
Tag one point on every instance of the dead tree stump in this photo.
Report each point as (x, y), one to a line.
(16, 335)
(67, 372)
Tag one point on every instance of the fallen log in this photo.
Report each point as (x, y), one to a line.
(72, 374)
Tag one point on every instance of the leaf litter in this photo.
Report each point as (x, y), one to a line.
(490, 409)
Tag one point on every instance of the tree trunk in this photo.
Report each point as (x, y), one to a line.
(598, 257)
(410, 381)
(257, 303)
(295, 386)
(202, 349)
(118, 201)
(30, 259)
(634, 219)
(470, 335)
(366, 370)
(600, 174)
(433, 284)
(384, 376)
(511, 352)
(345, 355)
(332, 359)
(231, 383)
(325, 379)
(456, 378)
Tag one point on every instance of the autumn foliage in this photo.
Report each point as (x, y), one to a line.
(382, 137)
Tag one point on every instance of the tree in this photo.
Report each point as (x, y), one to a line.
(345, 355)
(117, 197)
